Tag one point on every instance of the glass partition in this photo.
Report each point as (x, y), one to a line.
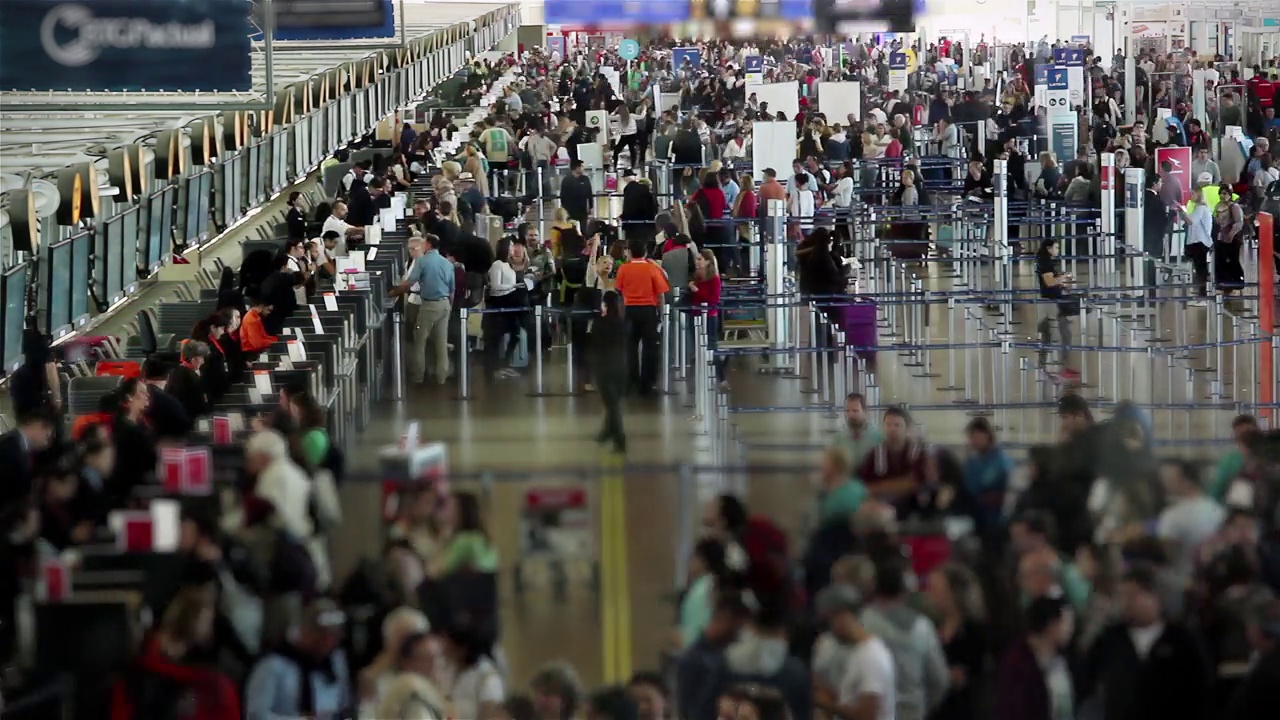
(279, 159)
(195, 207)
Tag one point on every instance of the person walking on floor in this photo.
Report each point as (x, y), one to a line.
(609, 367)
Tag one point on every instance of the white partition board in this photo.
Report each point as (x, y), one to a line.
(782, 97)
(839, 100)
(773, 145)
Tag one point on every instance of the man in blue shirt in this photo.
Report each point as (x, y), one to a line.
(433, 277)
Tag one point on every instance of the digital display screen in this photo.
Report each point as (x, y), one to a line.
(107, 269)
(58, 291)
(206, 197)
(129, 249)
(81, 247)
(191, 210)
(891, 14)
(306, 14)
(13, 288)
(230, 189)
(159, 227)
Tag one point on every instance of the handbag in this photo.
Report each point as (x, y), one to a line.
(1069, 306)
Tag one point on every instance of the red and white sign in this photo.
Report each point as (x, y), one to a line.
(186, 470)
(133, 530)
(555, 498)
(221, 430)
(1180, 171)
(55, 581)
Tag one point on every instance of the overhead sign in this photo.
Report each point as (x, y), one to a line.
(331, 19)
(898, 63)
(125, 45)
(1068, 56)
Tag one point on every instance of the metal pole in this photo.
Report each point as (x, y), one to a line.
(464, 375)
(397, 362)
(537, 350)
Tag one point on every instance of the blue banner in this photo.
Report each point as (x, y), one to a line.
(680, 55)
(1056, 78)
(125, 45)
(333, 19)
(1068, 56)
(897, 61)
(753, 64)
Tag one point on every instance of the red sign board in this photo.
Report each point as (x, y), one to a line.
(555, 498)
(1179, 158)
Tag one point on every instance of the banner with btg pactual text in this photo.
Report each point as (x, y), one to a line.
(125, 45)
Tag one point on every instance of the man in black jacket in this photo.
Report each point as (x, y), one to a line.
(18, 449)
(686, 157)
(166, 416)
(1258, 696)
(575, 193)
(1147, 666)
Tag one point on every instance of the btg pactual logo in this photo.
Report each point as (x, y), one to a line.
(91, 34)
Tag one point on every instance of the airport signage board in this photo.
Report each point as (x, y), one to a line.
(125, 45)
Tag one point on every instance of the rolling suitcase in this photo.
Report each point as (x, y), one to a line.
(861, 330)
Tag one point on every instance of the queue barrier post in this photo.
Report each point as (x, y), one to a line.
(665, 341)
(536, 351)
(397, 360)
(699, 376)
(464, 369)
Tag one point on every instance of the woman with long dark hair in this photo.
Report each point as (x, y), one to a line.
(214, 375)
(609, 367)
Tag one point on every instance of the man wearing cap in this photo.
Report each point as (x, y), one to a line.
(866, 684)
(470, 193)
(308, 677)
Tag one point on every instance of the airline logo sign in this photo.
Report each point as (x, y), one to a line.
(1180, 159)
(1070, 57)
(119, 45)
(897, 61)
(1056, 78)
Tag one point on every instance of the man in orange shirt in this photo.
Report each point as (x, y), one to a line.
(253, 336)
(771, 189)
(642, 284)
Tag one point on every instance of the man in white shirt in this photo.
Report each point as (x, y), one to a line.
(1191, 516)
(867, 688)
(337, 222)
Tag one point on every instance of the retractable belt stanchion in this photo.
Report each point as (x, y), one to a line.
(1135, 200)
(1001, 250)
(667, 341)
(700, 375)
(1110, 239)
(777, 314)
(464, 369)
(397, 361)
(536, 352)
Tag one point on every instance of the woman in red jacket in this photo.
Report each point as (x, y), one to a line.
(163, 683)
(710, 200)
(705, 291)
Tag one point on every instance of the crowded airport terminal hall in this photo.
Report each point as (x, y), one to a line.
(639, 360)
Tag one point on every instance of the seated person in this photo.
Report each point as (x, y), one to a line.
(253, 335)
